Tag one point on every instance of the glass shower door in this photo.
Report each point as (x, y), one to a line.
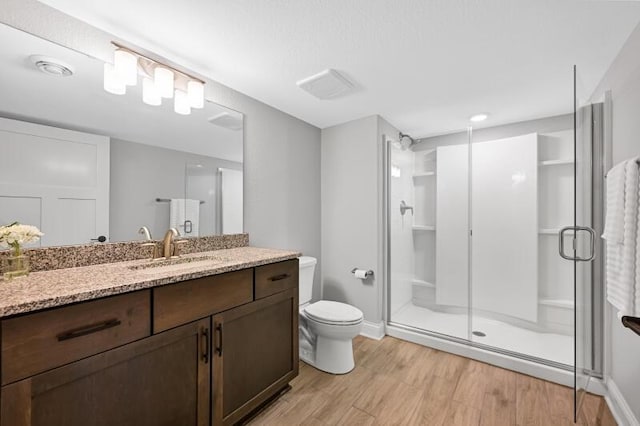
(587, 215)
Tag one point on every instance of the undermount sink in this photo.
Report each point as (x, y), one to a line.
(177, 263)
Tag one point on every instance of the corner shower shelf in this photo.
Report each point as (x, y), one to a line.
(423, 283)
(424, 174)
(555, 162)
(557, 303)
(424, 227)
(548, 231)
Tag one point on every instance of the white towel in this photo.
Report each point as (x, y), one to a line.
(184, 215)
(622, 237)
(614, 221)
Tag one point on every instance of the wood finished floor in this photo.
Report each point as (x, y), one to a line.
(400, 383)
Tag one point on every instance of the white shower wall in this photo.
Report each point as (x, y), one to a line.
(402, 253)
(544, 296)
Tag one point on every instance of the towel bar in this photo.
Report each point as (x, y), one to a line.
(632, 323)
(167, 200)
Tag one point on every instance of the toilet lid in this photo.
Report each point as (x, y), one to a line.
(334, 312)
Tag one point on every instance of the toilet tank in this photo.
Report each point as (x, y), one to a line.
(307, 268)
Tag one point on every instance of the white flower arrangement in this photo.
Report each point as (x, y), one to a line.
(15, 235)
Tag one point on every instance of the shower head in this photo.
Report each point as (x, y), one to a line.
(406, 141)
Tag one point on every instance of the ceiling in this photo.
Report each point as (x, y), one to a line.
(425, 66)
(79, 102)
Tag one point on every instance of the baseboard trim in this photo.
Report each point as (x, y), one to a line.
(619, 407)
(373, 330)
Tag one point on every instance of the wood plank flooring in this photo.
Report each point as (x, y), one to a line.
(400, 383)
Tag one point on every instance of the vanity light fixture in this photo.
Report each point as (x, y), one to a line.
(150, 93)
(112, 82)
(125, 65)
(477, 118)
(164, 81)
(158, 80)
(195, 92)
(181, 103)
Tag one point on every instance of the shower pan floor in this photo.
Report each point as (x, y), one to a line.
(549, 346)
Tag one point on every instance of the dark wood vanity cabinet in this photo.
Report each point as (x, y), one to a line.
(255, 354)
(159, 380)
(205, 351)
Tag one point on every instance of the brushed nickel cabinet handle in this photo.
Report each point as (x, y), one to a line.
(88, 329)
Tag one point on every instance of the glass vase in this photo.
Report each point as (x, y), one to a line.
(16, 266)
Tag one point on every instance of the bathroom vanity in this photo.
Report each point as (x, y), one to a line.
(206, 341)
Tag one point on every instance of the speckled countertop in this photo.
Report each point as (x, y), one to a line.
(59, 287)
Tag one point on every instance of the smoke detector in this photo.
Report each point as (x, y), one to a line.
(327, 84)
(52, 66)
(228, 121)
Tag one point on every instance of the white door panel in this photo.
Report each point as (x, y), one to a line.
(66, 171)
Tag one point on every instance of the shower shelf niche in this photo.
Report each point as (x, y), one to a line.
(423, 283)
(548, 231)
(558, 162)
(424, 174)
(424, 227)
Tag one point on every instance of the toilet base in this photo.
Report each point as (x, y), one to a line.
(331, 355)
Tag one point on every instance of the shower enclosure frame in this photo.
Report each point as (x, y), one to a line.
(535, 366)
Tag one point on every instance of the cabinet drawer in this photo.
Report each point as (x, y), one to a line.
(276, 277)
(178, 304)
(38, 342)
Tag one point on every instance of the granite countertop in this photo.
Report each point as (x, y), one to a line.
(59, 287)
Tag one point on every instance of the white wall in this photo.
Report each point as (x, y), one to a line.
(623, 79)
(281, 153)
(351, 212)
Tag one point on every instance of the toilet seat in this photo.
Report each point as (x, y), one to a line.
(334, 313)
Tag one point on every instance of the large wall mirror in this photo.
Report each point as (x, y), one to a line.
(86, 166)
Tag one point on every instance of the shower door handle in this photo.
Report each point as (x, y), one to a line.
(577, 229)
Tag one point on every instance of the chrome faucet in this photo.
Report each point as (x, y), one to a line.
(168, 242)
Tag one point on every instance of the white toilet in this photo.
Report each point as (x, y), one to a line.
(327, 328)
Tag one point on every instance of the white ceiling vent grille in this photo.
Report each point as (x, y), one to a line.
(228, 121)
(327, 84)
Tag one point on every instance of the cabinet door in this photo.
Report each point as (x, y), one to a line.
(159, 380)
(255, 354)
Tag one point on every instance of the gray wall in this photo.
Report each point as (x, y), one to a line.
(281, 152)
(140, 174)
(623, 79)
(351, 213)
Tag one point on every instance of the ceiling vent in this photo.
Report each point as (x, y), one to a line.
(52, 66)
(327, 84)
(228, 121)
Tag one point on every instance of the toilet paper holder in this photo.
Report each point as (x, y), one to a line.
(367, 274)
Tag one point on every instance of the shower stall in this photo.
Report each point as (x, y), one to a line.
(490, 240)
